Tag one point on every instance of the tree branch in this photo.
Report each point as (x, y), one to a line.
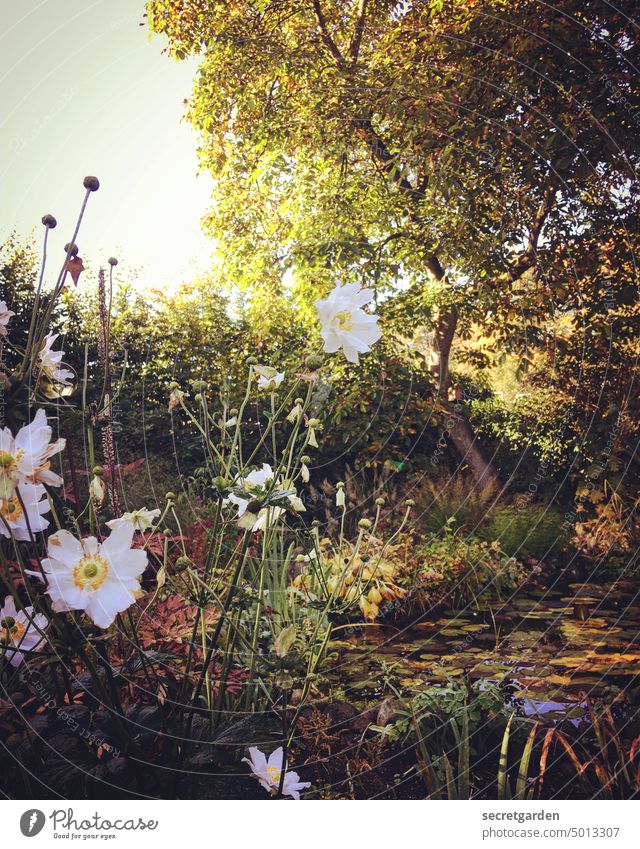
(356, 41)
(329, 43)
(382, 154)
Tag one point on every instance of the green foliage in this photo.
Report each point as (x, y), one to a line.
(530, 529)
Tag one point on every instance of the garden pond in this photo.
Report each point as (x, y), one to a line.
(549, 650)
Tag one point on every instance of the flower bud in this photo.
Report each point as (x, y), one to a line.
(252, 361)
(299, 401)
(221, 483)
(364, 524)
(112, 261)
(91, 183)
(305, 459)
(198, 398)
(199, 385)
(410, 502)
(170, 496)
(49, 221)
(71, 248)
(182, 563)
(340, 485)
(97, 470)
(314, 361)
(380, 502)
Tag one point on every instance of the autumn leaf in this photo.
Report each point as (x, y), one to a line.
(75, 267)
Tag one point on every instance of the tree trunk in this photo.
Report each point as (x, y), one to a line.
(458, 428)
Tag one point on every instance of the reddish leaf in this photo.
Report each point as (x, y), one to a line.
(75, 267)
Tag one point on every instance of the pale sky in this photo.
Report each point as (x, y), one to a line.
(84, 91)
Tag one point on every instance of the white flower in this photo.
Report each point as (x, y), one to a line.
(50, 362)
(13, 521)
(304, 473)
(140, 519)
(26, 457)
(269, 378)
(20, 631)
(269, 773)
(5, 316)
(267, 516)
(257, 479)
(345, 324)
(99, 578)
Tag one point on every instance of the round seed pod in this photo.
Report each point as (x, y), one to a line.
(112, 261)
(71, 248)
(49, 221)
(91, 183)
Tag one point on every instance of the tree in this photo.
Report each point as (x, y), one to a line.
(455, 147)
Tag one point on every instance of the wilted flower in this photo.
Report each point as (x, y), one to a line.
(26, 457)
(269, 773)
(20, 631)
(50, 362)
(340, 497)
(97, 490)
(5, 317)
(345, 324)
(269, 379)
(99, 578)
(304, 473)
(140, 519)
(175, 398)
(31, 498)
(313, 425)
(296, 412)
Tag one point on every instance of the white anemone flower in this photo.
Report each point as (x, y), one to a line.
(269, 379)
(99, 578)
(140, 519)
(345, 324)
(50, 362)
(5, 317)
(267, 516)
(269, 773)
(26, 456)
(258, 479)
(22, 515)
(20, 631)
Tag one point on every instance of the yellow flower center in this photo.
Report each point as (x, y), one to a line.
(274, 774)
(7, 462)
(345, 321)
(11, 629)
(11, 510)
(91, 572)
